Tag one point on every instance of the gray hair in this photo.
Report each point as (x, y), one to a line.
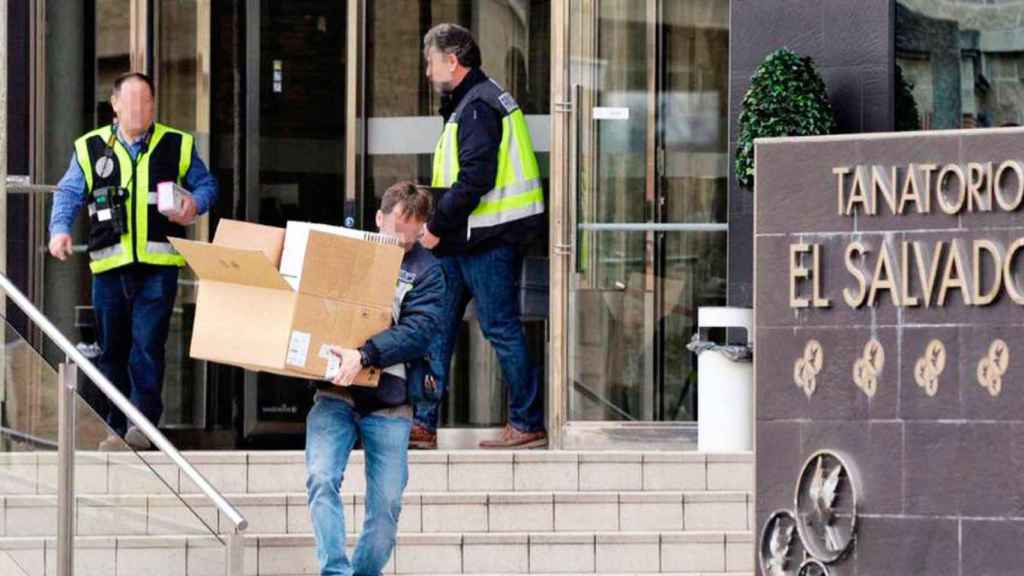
(454, 39)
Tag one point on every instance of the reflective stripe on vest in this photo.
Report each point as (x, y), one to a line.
(115, 250)
(517, 192)
(160, 248)
(446, 157)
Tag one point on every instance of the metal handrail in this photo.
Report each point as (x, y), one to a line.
(122, 403)
(23, 188)
(601, 399)
(19, 436)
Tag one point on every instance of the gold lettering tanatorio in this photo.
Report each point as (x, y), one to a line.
(893, 268)
(878, 190)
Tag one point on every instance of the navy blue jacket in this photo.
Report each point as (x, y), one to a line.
(418, 303)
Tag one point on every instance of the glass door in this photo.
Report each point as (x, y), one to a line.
(402, 127)
(295, 156)
(646, 213)
(181, 32)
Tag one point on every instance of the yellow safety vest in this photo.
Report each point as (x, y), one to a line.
(517, 193)
(106, 162)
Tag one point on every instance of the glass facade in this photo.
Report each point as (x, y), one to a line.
(113, 53)
(651, 82)
(310, 109)
(961, 64)
(402, 127)
(181, 31)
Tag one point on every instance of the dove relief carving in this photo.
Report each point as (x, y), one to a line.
(993, 367)
(930, 366)
(807, 367)
(868, 368)
(820, 529)
(778, 554)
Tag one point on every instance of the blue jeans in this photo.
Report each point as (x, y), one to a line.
(133, 315)
(331, 430)
(491, 279)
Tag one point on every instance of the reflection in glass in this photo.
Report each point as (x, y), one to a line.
(963, 62)
(403, 125)
(113, 49)
(178, 63)
(302, 104)
(401, 107)
(652, 150)
(182, 43)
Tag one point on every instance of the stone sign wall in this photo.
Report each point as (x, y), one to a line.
(889, 354)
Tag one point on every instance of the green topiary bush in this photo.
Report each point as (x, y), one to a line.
(787, 97)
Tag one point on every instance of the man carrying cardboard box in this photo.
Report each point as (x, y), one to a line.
(381, 416)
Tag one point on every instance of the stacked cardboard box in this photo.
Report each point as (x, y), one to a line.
(248, 314)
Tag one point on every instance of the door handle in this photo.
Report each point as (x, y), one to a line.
(567, 242)
(572, 206)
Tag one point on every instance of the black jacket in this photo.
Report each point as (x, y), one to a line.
(479, 140)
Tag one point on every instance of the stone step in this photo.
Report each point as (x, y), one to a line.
(465, 512)
(444, 553)
(277, 472)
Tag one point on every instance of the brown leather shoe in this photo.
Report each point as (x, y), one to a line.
(511, 438)
(422, 439)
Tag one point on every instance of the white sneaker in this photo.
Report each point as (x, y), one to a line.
(137, 440)
(113, 443)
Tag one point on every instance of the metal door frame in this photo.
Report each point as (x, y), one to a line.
(567, 102)
(355, 139)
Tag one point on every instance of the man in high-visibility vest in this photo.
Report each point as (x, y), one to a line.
(492, 204)
(115, 171)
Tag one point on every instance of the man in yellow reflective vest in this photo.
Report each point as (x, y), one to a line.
(115, 171)
(492, 203)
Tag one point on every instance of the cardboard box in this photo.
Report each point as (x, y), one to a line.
(248, 315)
(296, 238)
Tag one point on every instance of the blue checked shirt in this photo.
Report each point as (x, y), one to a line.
(70, 195)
